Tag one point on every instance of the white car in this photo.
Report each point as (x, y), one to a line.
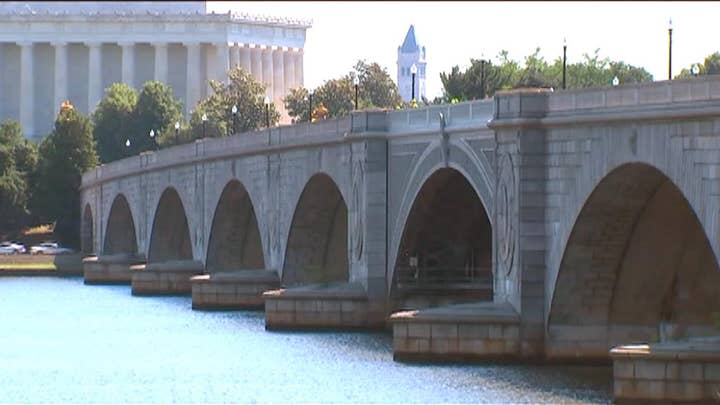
(11, 248)
(49, 248)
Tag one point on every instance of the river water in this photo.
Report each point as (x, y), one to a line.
(64, 342)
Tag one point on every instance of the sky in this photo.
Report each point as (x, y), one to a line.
(454, 32)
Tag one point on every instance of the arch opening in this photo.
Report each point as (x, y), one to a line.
(170, 238)
(445, 253)
(88, 225)
(235, 241)
(120, 230)
(317, 247)
(637, 267)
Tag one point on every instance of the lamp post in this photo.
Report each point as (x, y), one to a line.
(670, 50)
(564, 61)
(267, 111)
(615, 81)
(152, 136)
(310, 107)
(127, 145)
(413, 72)
(482, 79)
(234, 114)
(204, 120)
(356, 82)
(177, 128)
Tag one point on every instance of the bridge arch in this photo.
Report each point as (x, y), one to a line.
(87, 240)
(235, 241)
(170, 237)
(317, 243)
(637, 256)
(120, 235)
(445, 252)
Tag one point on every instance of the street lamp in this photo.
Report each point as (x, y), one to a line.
(127, 145)
(564, 61)
(482, 79)
(356, 82)
(615, 81)
(267, 111)
(177, 128)
(234, 113)
(310, 110)
(670, 50)
(695, 69)
(413, 71)
(204, 120)
(152, 136)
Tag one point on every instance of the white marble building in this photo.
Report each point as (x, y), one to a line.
(409, 54)
(56, 51)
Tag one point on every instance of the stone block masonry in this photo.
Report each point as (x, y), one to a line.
(239, 289)
(165, 278)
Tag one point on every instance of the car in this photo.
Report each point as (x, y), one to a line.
(49, 248)
(11, 248)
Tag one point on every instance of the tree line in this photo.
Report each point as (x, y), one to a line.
(39, 182)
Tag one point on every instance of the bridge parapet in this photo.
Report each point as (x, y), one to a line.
(470, 113)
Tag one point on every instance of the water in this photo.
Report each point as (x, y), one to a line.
(63, 342)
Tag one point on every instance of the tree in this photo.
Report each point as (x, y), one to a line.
(242, 91)
(156, 110)
(376, 90)
(710, 66)
(592, 71)
(18, 158)
(115, 123)
(64, 155)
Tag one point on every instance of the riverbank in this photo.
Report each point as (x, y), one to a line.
(40, 265)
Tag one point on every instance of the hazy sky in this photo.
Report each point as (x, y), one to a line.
(454, 32)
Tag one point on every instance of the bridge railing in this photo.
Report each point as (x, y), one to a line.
(456, 115)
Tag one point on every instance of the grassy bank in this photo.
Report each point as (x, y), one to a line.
(71, 264)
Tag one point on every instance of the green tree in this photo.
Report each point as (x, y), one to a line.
(18, 158)
(114, 120)
(156, 110)
(376, 87)
(242, 91)
(64, 155)
(710, 66)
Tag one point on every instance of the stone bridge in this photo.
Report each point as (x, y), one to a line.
(535, 224)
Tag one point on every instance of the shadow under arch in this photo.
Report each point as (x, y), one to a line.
(235, 241)
(88, 226)
(317, 246)
(120, 230)
(637, 258)
(170, 239)
(445, 252)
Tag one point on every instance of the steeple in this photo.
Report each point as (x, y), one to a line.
(410, 43)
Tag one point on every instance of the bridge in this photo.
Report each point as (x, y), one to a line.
(536, 224)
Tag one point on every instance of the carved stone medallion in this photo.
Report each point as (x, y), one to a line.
(506, 211)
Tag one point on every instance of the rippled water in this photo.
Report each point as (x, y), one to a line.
(61, 341)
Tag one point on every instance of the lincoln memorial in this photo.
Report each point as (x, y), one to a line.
(56, 51)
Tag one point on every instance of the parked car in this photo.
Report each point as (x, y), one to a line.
(49, 248)
(11, 248)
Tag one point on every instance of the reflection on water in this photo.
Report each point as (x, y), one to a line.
(61, 341)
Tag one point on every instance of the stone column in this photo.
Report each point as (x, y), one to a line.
(289, 63)
(256, 63)
(245, 59)
(223, 62)
(278, 77)
(61, 74)
(27, 89)
(267, 71)
(235, 55)
(299, 78)
(128, 63)
(161, 61)
(192, 84)
(94, 74)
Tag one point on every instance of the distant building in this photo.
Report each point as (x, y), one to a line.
(56, 51)
(410, 53)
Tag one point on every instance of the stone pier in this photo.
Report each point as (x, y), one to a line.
(321, 306)
(462, 332)
(239, 289)
(110, 269)
(165, 278)
(677, 372)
